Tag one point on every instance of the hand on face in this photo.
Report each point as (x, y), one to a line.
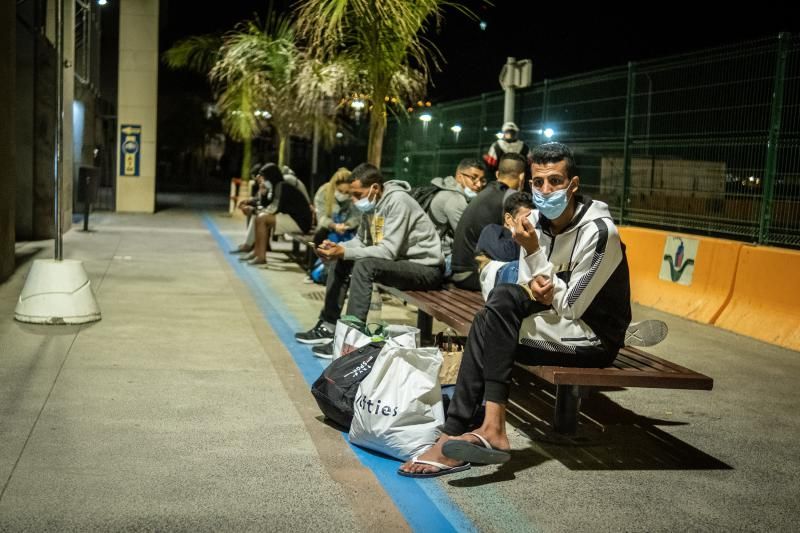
(525, 235)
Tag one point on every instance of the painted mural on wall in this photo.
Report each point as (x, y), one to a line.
(680, 254)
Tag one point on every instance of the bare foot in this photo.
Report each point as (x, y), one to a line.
(434, 454)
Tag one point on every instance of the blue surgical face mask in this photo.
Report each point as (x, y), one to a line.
(365, 205)
(469, 193)
(552, 205)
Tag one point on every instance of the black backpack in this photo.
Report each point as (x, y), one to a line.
(424, 196)
(335, 390)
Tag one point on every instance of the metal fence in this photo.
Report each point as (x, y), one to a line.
(706, 142)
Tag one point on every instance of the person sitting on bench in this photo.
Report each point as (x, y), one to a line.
(397, 245)
(486, 208)
(498, 252)
(571, 307)
(287, 212)
(335, 211)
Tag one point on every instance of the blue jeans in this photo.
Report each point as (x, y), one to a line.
(508, 273)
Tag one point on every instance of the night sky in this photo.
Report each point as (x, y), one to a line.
(560, 41)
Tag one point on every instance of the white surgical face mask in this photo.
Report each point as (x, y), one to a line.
(341, 196)
(365, 205)
(553, 204)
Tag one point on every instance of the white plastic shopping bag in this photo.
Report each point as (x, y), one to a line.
(352, 334)
(398, 406)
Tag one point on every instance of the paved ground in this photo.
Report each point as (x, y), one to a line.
(187, 408)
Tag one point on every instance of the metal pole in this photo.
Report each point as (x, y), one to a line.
(765, 220)
(508, 104)
(626, 145)
(57, 162)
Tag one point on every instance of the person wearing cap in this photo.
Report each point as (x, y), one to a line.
(509, 143)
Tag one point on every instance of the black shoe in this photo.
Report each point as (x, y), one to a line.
(319, 334)
(324, 351)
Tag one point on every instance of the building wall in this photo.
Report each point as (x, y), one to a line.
(8, 179)
(137, 100)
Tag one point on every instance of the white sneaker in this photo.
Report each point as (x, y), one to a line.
(646, 333)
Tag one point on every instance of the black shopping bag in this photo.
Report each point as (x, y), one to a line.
(335, 390)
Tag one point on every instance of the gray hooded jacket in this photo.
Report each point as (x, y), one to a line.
(397, 229)
(447, 207)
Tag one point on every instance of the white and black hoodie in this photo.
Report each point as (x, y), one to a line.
(587, 263)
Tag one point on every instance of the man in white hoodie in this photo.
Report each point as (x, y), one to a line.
(571, 307)
(397, 244)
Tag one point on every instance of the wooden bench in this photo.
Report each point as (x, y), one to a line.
(631, 368)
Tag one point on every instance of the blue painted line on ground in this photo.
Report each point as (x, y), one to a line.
(423, 503)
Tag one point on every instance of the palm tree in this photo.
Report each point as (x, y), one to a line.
(382, 42)
(252, 70)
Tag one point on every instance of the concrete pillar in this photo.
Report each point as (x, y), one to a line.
(137, 102)
(8, 178)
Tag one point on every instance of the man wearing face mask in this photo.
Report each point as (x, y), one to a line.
(485, 209)
(509, 144)
(447, 205)
(397, 245)
(570, 307)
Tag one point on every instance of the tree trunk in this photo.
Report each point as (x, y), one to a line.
(377, 127)
(281, 149)
(247, 157)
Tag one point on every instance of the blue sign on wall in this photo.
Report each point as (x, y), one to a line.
(130, 148)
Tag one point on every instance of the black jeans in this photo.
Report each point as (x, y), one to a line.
(470, 283)
(493, 346)
(359, 275)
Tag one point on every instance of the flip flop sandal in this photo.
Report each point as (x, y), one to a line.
(473, 453)
(443, 469)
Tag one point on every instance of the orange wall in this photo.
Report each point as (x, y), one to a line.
(751, 290)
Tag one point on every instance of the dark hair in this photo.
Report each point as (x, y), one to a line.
(512, 164)
(517, 200)
(470, 162)
(271, 173)
(367, 174)
(554, 153)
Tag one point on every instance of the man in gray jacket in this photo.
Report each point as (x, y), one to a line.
(397, 244)
(450, 202)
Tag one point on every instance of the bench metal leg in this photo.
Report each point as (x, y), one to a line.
(295, 248)
(425, 325)
(568, 404)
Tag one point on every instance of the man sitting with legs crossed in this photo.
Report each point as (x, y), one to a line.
(570, 307)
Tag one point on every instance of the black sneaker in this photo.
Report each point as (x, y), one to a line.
(319, 334)
(324, 351)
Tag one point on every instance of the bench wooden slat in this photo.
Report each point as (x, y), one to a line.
(625, 357)
(613, 377)
(655, 361)
(632, 368)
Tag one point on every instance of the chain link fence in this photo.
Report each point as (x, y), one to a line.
(707, 142)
